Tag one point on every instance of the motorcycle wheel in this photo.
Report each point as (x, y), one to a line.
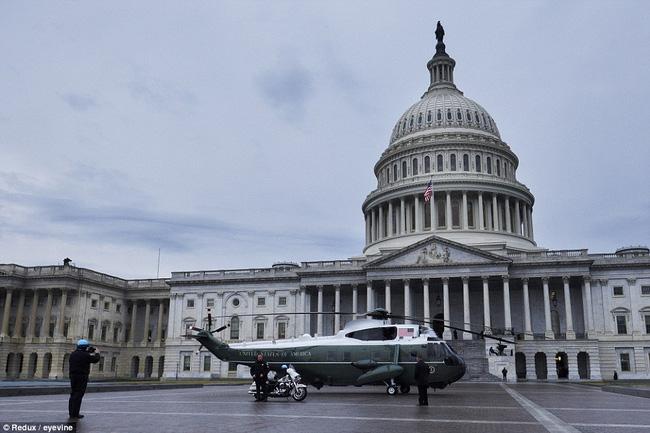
(299, 394)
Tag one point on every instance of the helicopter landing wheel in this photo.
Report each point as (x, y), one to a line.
(404, 389)
(391, 390)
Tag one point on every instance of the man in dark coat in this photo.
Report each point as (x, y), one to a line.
(422, 380)
(80, 361)
(260, 371)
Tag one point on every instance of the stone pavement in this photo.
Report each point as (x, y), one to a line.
(463, 408)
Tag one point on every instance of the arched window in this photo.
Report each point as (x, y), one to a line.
(459, 115)
(234, 328)
(498, 168)
(439, 163)
(478, 163)
(429, 116)
(411, 123)
(439, 115)
(468, 116)
(476, 118)
(404, 125)
(470, 214)
(427, 164)
(394, 172)
(484, 122)
(505, 170)
(387, 174)
(403, 169)
(488, 164)
(452, 162)
(465, 162)
(448, 114)
(420, 119)
(414, 167)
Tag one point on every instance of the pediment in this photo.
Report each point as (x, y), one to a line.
(436, 251)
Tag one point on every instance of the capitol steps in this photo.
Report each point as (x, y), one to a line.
(473, 352)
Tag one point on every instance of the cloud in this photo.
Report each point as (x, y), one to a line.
(163, 96)
(79, 102)
(287, 89)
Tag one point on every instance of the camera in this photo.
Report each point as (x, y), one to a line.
(91, 349)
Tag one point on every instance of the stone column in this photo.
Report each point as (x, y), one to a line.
(425, 300)
(31, 327)
(466, 315)
(390, 219)
(418, 215)
(464, 210)
(303, 309)
(45, 326)
(589, 326)
(517, 218)
(525, 213)
(337, 308)
(373, 226)
(407, 299)
(527, 322)
(495, 213)
(402, 216)
(548, 332)
(448, 221)
(367, 218)
(7, 311)
(387, 295)
(147, 316)
(530, 222)
(61, 321)
(487, 322)
(433, 215)
(160, 322)
(508, 223)
(380, 226)
(369, 296)
(481, 223)
(446, 333)
(506, 305)
(319, 317)
(18, 324)
(570, 334)
(134, 310)
(355, 298)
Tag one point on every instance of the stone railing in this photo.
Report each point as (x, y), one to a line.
(233, 273)
(334, 264)
(548, 254)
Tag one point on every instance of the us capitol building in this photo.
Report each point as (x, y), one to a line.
(467, 256)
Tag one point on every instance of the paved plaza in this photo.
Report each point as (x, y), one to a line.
(466, 407)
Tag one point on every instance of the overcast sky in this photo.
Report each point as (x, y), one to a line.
(236, 134)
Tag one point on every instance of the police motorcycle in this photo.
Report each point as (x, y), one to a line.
(286, 386)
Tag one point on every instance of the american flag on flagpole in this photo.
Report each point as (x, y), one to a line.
(428, 192)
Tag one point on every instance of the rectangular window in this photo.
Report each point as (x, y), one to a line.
(186, 362)
(116, 334)
(282, 330)
(190, 303)
(66, 329)
(93, 303)
(206, 363)
(625, 361)
(104, 331)
(232, 367)
(107, 306)
(51, 330)
(101, 364)
(282, 300)
(261, 302)
(645, 290)
(210, 303)
(621, 325)
(260, 331)
(618, 290)
(113, 364)
(647, 323)
(118, 308)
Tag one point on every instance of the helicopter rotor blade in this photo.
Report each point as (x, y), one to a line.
(219, 329)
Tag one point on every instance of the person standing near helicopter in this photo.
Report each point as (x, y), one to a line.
(260, 371)
(422, 380)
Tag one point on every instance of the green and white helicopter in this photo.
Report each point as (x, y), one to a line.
(367, 351)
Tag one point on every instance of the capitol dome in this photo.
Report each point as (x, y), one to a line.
(451, 144)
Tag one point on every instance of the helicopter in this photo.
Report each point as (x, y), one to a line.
(365, 352)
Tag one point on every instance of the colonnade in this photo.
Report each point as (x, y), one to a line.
(388, 285)
(24, 323)
(449, 210)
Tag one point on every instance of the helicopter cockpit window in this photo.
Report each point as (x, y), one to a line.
(436, 352)
(374, 334)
